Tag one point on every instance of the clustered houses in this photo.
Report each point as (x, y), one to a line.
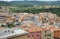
(50, 32)
(47, 34)
(39, 33)
(6, 9)
(44, 25)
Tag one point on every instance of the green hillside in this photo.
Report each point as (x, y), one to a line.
(27, 6)
(28, 3)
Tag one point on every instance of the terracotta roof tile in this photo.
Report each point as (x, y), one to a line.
(33, 29)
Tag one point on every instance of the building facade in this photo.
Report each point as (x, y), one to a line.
(47, 34)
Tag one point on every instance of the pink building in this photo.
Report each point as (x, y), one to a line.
(34, 33)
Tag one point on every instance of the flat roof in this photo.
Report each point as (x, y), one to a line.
(16, 33)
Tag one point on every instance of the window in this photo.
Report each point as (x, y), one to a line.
(37, 31)
(54, 31)
(45, 35)
(57, 31)
(32, 35)
(40, 31)
(31, 32)
(40, 38)
(49, 35)
(45, 31)
(37, 35)
(28, 35)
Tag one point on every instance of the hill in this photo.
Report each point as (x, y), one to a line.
(28, 3)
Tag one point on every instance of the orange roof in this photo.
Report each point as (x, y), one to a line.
(33, 29)
(9, 16)
(44, 29)
(27, 25)
(47, 27)
(51, 27)
(55, 29)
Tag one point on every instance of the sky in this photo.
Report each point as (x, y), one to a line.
(29, 0)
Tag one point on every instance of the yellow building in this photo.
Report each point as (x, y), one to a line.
(47, 34)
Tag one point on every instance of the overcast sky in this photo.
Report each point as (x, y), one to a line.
(29, 0)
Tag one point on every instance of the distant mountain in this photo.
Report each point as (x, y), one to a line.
(28, 3)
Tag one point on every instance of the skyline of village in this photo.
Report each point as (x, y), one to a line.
(29, 19)
(29, 0)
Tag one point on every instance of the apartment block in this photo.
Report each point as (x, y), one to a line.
(47, 34)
